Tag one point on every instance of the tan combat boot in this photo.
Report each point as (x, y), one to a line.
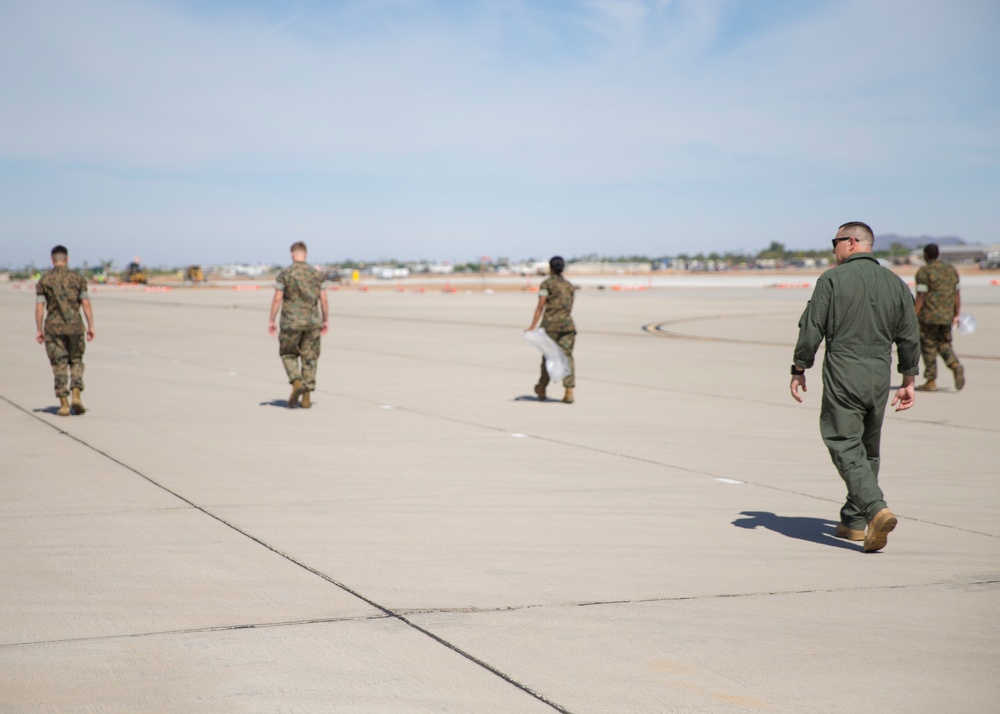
(306, 401)
(63, 406)
(568, 399)
(959, 377)
(878, 531)
(929, 386)
(77, 404)
(540, 391)
(842, 531)
(293, 400)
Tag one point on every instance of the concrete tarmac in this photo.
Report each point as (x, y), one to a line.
(431, 538)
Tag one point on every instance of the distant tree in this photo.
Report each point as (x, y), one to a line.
(775, 251)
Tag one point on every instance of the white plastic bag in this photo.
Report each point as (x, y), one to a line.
(555, 361)
(967, 325)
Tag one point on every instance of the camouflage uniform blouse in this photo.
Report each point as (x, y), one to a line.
(938, 283)
(558, 294)
(301, 285)
(62, 291)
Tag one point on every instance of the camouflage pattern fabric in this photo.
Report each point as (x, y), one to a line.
(62, 291)
(66, 357)
(558, 293)
(938, 283)
(565, 340)
(935, 340)
(300, 284)
(296, 345)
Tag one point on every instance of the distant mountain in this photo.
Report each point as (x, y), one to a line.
(886, 239)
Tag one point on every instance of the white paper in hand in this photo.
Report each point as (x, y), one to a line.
(555, 361)
(967, 325)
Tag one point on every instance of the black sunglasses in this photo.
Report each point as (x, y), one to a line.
(837, 240)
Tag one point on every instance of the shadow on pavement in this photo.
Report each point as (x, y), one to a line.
(46, 410)
(283, 403)
(813, 530)
(534, 398)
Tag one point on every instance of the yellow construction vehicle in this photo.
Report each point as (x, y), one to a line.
(136, 274)
(194, 274)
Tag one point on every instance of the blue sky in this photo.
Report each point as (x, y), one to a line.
(192, 131)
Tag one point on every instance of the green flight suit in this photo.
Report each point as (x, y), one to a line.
(860, 309)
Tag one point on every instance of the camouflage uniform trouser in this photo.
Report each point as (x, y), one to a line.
(565, 340)
(66, 357)
(935, 340)
(294, 345)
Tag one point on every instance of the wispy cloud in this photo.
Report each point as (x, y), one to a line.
(663, 112)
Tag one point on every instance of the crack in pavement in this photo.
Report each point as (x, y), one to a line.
(608, 452)
(646, 387)
(195, 630)
(686, 598)
(388, 612)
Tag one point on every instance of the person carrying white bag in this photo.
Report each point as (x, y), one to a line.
(555, 305)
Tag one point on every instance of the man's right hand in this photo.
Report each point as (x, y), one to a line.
(40, 337)
(798, 380)
(905, 395)
(272, 329)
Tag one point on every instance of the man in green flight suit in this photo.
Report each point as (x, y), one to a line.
(860, 309)
(938, 306)
(555, 303)
(298, 289)
(60, 294)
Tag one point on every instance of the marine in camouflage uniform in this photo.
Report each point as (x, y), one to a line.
(60, 295)
(938, 305)
(555, 305)
(860, 309)
(300, 296)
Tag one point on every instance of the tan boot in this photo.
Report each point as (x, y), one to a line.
(63, 406)
(540, 391)
(77, 404)
(293, 400)
(842, 531)
(568, 399)
(929, 386)
(878, 531)
(306, 401)
(959, 377)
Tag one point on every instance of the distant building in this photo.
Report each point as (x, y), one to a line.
(603, 267)
(963, 254)
(992, 259)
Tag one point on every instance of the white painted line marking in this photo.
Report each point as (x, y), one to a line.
(519, 436)
(728, 480)
(233, 374)
(387, 406)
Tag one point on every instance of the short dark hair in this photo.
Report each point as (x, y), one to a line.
(298, 245)
(931, 251)
(60, 250)
(867, 235)
(557, 265)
